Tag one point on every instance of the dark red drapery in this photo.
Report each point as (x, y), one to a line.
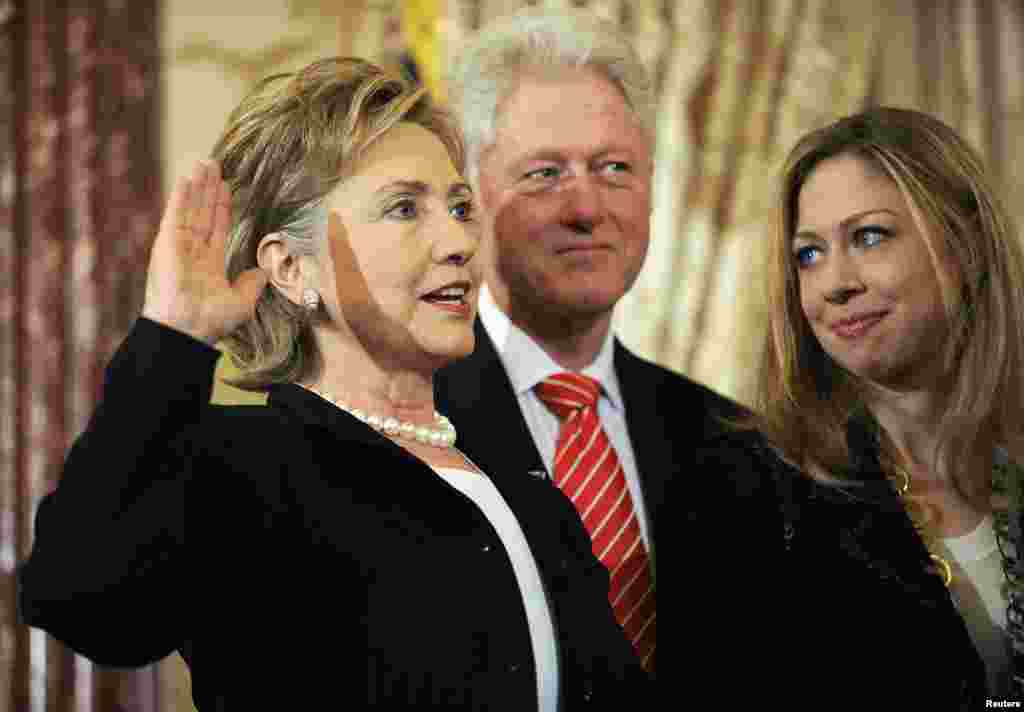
(79, 205)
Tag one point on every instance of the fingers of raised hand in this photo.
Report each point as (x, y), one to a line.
(190, 197)
(222, 211)
(199, 218)
(174, 213)
(220, 220)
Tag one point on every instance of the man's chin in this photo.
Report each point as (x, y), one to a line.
(586, 302)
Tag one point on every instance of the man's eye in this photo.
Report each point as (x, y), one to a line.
(614, 167)
(404, 209)
(463, 210)
(806, 255)
(545, 173)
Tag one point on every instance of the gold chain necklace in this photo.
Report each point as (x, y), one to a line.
(940, 564)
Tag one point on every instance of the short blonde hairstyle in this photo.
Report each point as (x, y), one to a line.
(285, 148)
(805, 397)
(489, 66)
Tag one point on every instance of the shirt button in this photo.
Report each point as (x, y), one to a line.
(485, 548)
(514, 668)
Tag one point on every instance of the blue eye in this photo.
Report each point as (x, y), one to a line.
(404, 209)
(616, 167)
(870, 235)
(806, 255)
(463, 211)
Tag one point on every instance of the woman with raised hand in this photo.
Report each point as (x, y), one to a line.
(333, 548)
(874, 510)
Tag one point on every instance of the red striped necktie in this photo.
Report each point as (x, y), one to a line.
(588, 471)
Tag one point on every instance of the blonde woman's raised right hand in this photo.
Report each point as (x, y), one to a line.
(187, 286)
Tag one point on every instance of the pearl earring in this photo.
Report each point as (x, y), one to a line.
(310, 299)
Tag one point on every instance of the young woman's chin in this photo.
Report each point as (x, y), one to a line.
(898, 375)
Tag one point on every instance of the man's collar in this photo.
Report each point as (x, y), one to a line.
(527, 364)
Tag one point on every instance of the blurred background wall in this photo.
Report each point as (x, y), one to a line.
(104, 102)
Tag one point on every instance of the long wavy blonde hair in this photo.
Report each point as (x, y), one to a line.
(806, 400)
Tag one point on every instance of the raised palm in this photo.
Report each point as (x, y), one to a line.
(186, 286)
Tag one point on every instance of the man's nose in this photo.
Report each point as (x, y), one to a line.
(586, 201)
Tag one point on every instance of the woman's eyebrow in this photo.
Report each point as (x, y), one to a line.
(459, 189)
(405, 186)
(845, 223)
(418, 187)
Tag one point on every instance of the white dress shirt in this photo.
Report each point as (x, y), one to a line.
(527, 364)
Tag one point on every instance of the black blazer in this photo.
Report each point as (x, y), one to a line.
(802, 596)
(300, 560)
(667, 414)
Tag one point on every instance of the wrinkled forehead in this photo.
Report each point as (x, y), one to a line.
(570, 108)
(406, 151)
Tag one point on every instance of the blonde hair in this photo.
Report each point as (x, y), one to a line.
(284, 149)
(806, 399)
(490, 64)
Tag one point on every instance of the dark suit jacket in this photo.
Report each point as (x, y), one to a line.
(803, 596)
(667, 415)
(298, 559)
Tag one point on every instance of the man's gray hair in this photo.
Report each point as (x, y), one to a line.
(488, 67)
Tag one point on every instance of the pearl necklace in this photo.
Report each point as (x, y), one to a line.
(443, 436)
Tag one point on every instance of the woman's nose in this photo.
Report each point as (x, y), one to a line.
(844, 281)
(457, 244)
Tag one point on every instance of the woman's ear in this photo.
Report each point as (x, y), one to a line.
(285, 270)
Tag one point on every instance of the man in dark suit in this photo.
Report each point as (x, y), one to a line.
(555, 108)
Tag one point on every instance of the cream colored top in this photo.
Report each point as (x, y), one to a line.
(978, 591)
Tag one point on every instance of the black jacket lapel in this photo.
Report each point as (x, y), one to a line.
(476, 394)
(648, 432)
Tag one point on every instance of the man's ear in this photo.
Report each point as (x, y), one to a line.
(285, 270)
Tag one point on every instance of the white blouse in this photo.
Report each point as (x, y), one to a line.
(482, 491)
(978, 592)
